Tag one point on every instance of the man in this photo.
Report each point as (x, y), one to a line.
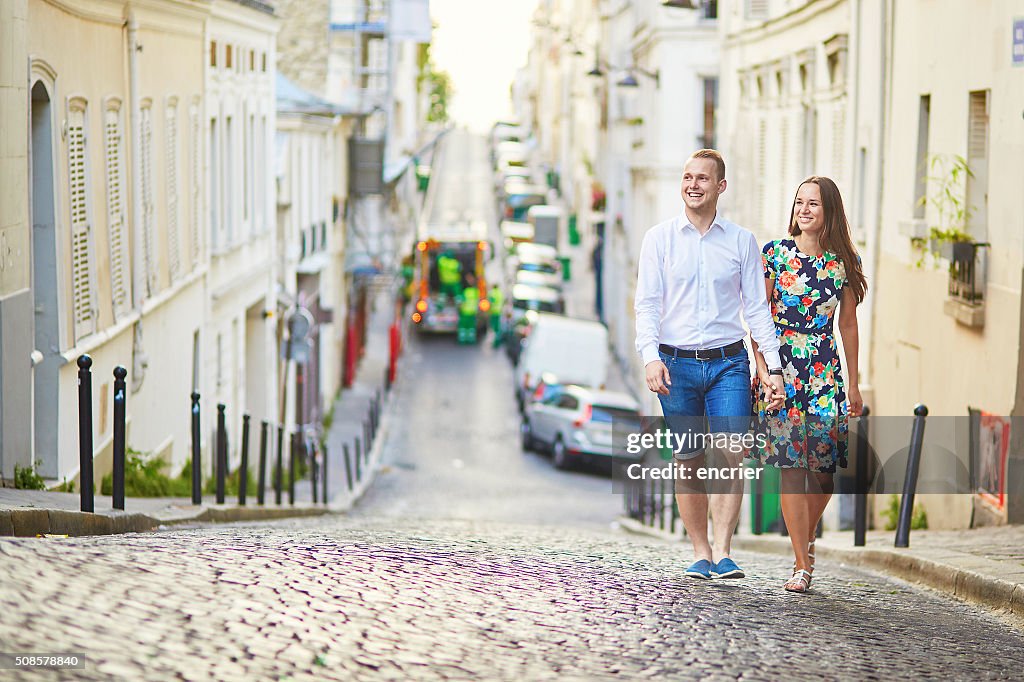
(697, 273)
(449, 272)
(497, 305)
(468, 302)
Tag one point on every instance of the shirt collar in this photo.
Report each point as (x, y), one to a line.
(719, 222)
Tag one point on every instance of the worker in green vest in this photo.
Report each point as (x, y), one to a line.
(468, 306)
(448, 268)
(408, 272)
(497, 300)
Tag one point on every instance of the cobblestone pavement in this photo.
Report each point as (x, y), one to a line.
(344, 599)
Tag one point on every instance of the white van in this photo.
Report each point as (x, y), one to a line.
(573, 350)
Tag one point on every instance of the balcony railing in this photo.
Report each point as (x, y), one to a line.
(968, 265)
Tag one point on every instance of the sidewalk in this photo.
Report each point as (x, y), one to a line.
(38, 512)
(983, 565)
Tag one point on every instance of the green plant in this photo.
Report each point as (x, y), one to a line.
(65, 487)
(27, 479)
(918, 517)
(143, 476)
(231, 482)
(948, 197)
(438, 84)
(635, 121)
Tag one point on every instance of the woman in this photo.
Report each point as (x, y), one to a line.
(807, 277)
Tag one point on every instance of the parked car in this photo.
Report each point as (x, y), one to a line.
(576, 423)
(575, 350)
(518, 197)
(538, 274)
(513, 233)
(524, 304)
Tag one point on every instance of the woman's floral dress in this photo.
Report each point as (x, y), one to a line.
(811, 431)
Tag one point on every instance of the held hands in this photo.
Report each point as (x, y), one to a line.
(774, 389)
(658, 380)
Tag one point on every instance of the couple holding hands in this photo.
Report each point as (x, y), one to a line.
(698, 274)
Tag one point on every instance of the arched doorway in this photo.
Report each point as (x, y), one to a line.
(44, 285)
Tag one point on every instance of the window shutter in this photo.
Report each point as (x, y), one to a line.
(173, 237)
(82, 278)
(148, 236)
(196, 186)
(977, 159)
(977, 138)
(838, 128)
(119, 259)
(757, 9)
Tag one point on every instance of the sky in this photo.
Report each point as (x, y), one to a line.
(481, 44)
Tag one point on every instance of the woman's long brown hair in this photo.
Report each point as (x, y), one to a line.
(835, 237)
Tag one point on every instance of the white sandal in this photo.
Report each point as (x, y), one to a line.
(800, 582)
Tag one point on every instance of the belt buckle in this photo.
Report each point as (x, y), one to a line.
(697, 354)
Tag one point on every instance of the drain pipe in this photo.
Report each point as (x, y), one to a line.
(138, 257)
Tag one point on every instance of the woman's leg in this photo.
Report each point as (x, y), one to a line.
(820, 487)
(796, 512)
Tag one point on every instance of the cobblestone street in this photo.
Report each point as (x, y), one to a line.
(343, 599)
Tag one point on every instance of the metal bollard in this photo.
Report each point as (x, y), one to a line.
(261, 489)
(348, 466)
(387, 379)
(314, 474)
(661, 504)
(222, 452)
(323, 475)
(243, 472)
(860, 498)
(757, 499)
(197, 474)
(279, 469)
(293, 454)
(85, 431)
(120, 398)
(910, 483)
(359, 459)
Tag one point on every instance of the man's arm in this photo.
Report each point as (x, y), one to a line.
(650, 294)
(756, 311)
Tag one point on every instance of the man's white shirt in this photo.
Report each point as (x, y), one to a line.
(692, 289)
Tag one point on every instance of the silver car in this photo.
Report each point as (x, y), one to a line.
(575, 423)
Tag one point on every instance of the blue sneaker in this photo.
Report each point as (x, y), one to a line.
(700, 569)
(727, 568)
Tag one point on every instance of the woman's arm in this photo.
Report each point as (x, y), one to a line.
(851, 344)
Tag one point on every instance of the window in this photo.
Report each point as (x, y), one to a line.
(82, 277)
(227, 57)
(264, 60)
(120, 260)
(710, 9)
(173, 201)
(214, 185)
(213, 53)
(148, 209)
(252, 60)
(977, 160)
(228, 179)
(924, 108)
(196, 186)
(710, 87)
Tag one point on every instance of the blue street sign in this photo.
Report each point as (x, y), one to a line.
(1018, 42)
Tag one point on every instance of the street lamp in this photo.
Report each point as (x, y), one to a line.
(629, 81)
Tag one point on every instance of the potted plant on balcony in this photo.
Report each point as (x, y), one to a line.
(948, 238)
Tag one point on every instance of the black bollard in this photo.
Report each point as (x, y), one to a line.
(222, 452)
(314, 474)
(348, 466)
(323, 474)
(387, 379)
(197, 474)
(860, 497)
(262, 482)
(757, 499)
(120, 398)
(279, 469)
(366, 433)
(910, 483)
(359, 460)
(85, 431)
(294, 453)
(661, 504)
(243, 472)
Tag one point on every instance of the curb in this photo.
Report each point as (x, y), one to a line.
(34, 522)
(969, 586)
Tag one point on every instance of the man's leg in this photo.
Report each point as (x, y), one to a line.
(692, 500)
(728, 405)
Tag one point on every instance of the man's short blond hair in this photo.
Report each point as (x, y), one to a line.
(714, 156)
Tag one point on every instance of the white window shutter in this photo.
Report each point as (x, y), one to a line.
(196, 183)
(173, 237)
(82, 270)
(120, 279)
(148, 212)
